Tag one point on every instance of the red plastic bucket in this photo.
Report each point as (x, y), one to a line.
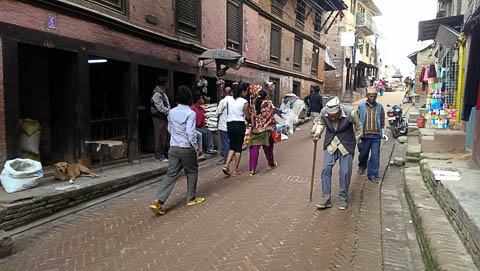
(421, 123)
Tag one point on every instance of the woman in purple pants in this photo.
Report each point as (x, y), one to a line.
(262, 125)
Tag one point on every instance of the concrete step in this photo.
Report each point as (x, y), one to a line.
(441, 247)
(451, 141)
(414, 148)
(458, 199)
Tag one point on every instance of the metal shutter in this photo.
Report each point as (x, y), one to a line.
(233, 25)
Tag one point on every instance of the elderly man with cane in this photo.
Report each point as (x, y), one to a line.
(343, 131)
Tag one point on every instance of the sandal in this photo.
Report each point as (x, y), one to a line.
(252, 172)
(236, 173)
(226, 171)
(274, 166)
(197, 200)
(157, 209)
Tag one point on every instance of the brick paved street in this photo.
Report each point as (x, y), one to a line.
(263, 222)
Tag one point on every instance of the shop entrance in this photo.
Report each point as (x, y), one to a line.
(109, 85)
(147, 77)
(47, 83)
(180, 78)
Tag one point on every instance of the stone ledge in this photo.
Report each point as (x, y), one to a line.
(459, 199)
(440, 245)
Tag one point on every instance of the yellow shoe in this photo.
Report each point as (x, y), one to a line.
(251, 173)
(274, 166)
(158, 210)
(197, 200)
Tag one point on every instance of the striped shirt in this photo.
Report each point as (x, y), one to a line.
(371, 126)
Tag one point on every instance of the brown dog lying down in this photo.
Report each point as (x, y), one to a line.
(68, 172)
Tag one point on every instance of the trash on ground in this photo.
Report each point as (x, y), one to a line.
(446, 175)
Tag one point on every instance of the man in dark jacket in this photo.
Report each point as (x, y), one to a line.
(343, 131)
(316, 102)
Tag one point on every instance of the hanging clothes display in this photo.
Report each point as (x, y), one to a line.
(432, 72)
(473, 77)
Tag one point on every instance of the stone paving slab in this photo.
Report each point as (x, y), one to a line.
(441, 247)
(459, 199)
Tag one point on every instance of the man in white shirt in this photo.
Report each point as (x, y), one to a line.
(222, 110)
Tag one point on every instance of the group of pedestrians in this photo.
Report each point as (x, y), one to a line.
(345, 130)
(238, 107)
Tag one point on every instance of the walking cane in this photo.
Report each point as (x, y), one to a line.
(313, 167)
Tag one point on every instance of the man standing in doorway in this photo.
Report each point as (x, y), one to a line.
(343, 132)
(159, 108)
(372, 117)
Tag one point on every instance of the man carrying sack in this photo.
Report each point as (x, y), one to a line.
(343, 132)
(372, 117)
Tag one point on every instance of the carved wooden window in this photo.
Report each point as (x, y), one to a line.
(317, 23)
(234, 25)
(188, 18)
(120, 6)
(297, 53)
(300, 13)
(277, 8)
(275, 44)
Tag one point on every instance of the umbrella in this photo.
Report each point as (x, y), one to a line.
(221, 54)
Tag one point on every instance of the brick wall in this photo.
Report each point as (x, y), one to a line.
(3, 144)
(214, 23)
(476, 141)
(335, 80)
(424, 58)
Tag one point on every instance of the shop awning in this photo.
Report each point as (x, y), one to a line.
(427, 30)
(329, 66)
(331, 5)
(447, 36)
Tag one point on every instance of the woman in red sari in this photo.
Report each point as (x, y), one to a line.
(261, 136)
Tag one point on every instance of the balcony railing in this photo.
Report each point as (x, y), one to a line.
(365, 24)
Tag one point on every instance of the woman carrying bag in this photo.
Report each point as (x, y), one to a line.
(237, 113)
(263, 123)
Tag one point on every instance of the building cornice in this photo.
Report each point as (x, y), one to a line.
(277, 70)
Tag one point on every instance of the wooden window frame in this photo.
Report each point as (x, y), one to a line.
(315, 59)
(367, 49)
(317, 23)
(277, 8)
(276, 59)
(231, 42)
(121, 7)
(297, 45)
(299, 88)
(300, 23)
(198, 32)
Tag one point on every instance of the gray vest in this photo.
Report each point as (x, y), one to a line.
(344, 130)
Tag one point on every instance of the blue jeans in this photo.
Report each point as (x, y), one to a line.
(370, 145)
(225, 144)
(345, 173)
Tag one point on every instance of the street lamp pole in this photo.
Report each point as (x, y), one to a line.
(353, 73)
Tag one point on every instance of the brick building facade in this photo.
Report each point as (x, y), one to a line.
(45, 74)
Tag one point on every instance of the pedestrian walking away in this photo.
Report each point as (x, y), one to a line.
(222, 124)
(159, 108)
(263, 123)
(183, 153)
(372, 117)
(316, 101)
(343, 131)
(201, 124)
(237, 113)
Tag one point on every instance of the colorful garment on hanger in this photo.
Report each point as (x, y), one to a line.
(432, 72)
(425, 75)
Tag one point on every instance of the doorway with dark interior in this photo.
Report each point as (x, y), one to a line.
(275, 96)
(47, 86)
(147, 77)
(109, 84)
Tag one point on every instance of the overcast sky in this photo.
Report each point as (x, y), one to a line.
(399, 27)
